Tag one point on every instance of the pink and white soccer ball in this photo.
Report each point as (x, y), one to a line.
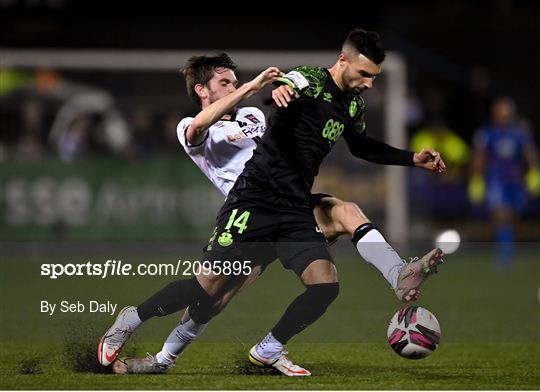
(414, 332)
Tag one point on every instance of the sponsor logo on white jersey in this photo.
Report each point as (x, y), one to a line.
(247, 132)
(252, 118)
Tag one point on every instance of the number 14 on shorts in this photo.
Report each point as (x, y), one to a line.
(236, 220)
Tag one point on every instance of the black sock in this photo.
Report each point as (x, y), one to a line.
(172, 298)
(202, 311)
(305, 310)
(362, 230)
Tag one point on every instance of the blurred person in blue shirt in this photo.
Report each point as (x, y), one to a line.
(503, 152)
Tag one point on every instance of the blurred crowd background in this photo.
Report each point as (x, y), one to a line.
(93, 154)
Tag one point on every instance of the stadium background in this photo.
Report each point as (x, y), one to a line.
(111, 181)
(454, 70)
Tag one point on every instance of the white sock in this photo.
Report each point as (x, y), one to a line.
(376, 251)
(179, 339)
(165, 357)
(269, 347)
(131, 318)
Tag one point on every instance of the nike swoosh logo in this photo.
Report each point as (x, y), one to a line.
(112, 357)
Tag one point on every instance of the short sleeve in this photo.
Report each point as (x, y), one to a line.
(181, 129)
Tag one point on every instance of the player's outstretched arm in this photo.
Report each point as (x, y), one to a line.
(375, 151)
(196, 132)
(372, 150)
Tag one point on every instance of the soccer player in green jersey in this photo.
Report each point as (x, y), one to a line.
(268, 213)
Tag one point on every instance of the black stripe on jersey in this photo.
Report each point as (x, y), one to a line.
(195, 145)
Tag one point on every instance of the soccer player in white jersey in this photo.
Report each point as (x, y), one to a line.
(220, 139)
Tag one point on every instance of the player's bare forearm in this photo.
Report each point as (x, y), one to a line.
(214, 112)
(429, 159)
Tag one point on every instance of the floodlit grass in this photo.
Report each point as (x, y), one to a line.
(489, 319)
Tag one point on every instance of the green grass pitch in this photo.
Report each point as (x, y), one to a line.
(490, 321)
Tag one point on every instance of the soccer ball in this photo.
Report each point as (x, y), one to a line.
(448, 241)
(414, 332)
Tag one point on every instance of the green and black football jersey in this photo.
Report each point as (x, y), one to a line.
(287, 159)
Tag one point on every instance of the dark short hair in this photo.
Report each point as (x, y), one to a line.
(367, 43)
(200, 69)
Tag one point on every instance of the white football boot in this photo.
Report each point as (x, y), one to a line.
(114, 339)
(280, 362)
(413, 274)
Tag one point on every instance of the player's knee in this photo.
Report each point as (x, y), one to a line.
(318, 272)
(218, 304)
(210, 306)
(212, 284)
(349, 216)
(324, 293)
(348, 206)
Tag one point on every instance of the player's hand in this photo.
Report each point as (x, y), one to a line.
(282, 95)
(266, 77)
(429, 159)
